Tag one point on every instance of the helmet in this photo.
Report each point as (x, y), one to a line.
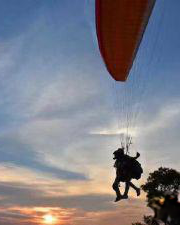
(118, 153)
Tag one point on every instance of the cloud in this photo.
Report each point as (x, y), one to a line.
(51, 95)
(23, 202)
(20, 154)
(20, 194)
(158, 138)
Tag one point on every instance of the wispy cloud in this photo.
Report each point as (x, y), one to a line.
(13, 151)
(29, 203)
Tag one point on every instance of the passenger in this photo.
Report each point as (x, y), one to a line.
(126, 168)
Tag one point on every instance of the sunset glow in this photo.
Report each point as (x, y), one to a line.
(49, 219)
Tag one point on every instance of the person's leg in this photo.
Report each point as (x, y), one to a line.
(127, 185)
(135, 188)
(115, 187)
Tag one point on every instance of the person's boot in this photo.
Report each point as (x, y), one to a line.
(118, 198)
(125, 196)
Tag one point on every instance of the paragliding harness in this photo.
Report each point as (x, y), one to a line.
(127, 167)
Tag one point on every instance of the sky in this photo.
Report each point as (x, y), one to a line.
(61, 112)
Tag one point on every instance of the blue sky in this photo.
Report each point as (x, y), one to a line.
(60, 110)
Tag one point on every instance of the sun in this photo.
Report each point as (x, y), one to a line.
(49, 219)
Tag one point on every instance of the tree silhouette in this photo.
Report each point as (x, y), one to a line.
(148, 220)
(162, 181)
(159, 184)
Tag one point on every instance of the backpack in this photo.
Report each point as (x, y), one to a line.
(136, 170)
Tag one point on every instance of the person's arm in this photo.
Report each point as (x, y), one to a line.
(137, 155)
(115, 164)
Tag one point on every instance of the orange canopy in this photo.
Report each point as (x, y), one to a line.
(120, 25)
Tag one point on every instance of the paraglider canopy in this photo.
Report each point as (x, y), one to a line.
(120, 25)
